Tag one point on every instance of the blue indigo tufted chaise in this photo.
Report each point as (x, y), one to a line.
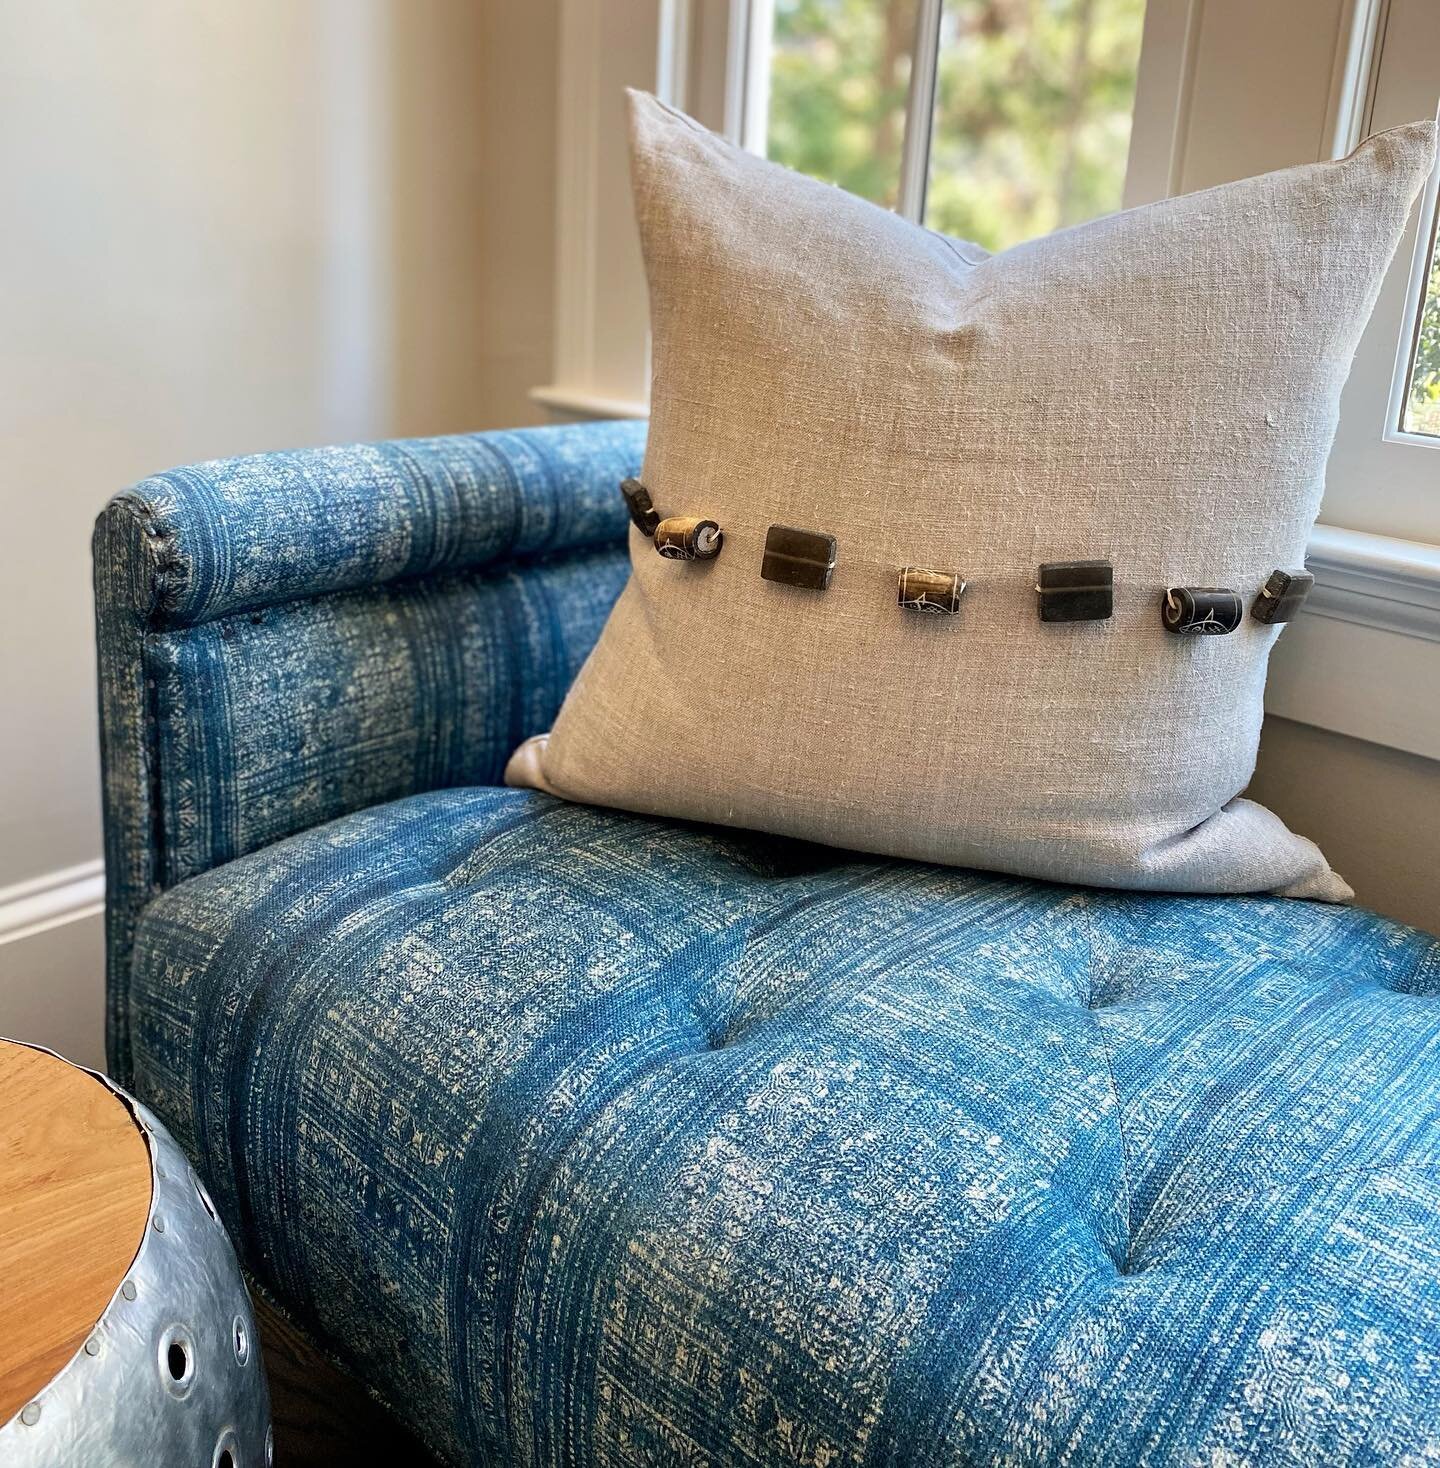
(592, 1139)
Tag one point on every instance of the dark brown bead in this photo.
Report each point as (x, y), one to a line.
(1201, 611)
(643, 514)
(687, 538)
(1076, 591)
(930, 591)
(798, 557)
(1282, 596)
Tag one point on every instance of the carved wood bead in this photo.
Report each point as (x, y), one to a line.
(798, 557)
(1201, 611)
(930, 591)
(1076, 591)
(1282, 596)
(688, 538)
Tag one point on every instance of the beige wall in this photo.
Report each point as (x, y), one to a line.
(1374, 811)
(232, 226)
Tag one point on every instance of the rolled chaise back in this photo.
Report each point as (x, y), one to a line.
(286, 638)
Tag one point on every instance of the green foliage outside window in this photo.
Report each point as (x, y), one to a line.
(1424, 406)
(839, 75)
(1032, 120)
(1032, 117)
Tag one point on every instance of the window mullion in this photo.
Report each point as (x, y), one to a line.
(920, 111)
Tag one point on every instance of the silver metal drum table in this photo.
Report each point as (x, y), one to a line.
(126, 1333)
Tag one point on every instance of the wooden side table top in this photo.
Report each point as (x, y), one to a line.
(74, 1199)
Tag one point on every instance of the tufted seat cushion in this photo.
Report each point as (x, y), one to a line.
(603, 1140)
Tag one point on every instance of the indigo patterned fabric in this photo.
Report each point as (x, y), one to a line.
(284, 638)
(592, 1139)
(272, 721)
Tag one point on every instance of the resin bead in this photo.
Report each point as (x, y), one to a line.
(1076, 591)
(930, 591)
(643, 514)
(798, 557)
(688, 538)
(1282, 596)
(1201, 611)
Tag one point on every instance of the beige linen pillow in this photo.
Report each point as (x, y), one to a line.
(1158, 388)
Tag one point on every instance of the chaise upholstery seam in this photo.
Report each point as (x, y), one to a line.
(1127, 1190)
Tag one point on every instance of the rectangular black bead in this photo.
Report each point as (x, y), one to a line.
(1076, 591)
(643, 514)
(798, 557)
(1283, 595)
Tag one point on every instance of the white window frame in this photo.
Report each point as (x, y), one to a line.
(1210, 106)
(1422, 262)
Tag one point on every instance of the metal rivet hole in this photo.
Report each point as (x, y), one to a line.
(128, 1289)
(227, 1450)
(30, 1413)
(177, 1360)
(240, 1337)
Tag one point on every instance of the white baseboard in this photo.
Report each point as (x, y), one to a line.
(52, 962)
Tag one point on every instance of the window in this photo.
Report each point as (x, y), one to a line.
(1422, 398)
(998, 121)
(1032, 115)
(1028, 106)
(839, 77)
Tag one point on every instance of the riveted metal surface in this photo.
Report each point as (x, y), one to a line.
(160, 1380)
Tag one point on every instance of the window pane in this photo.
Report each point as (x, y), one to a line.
(1032, 115)
(839, 74)
(1422, 403)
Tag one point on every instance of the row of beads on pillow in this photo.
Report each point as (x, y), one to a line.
(1067, 591)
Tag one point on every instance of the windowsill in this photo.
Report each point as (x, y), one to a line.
(582, 404)
(1363, 658)
(1376, 581)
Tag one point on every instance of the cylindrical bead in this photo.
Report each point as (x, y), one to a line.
(930, 591)
(1204, 611)
(687, 538)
